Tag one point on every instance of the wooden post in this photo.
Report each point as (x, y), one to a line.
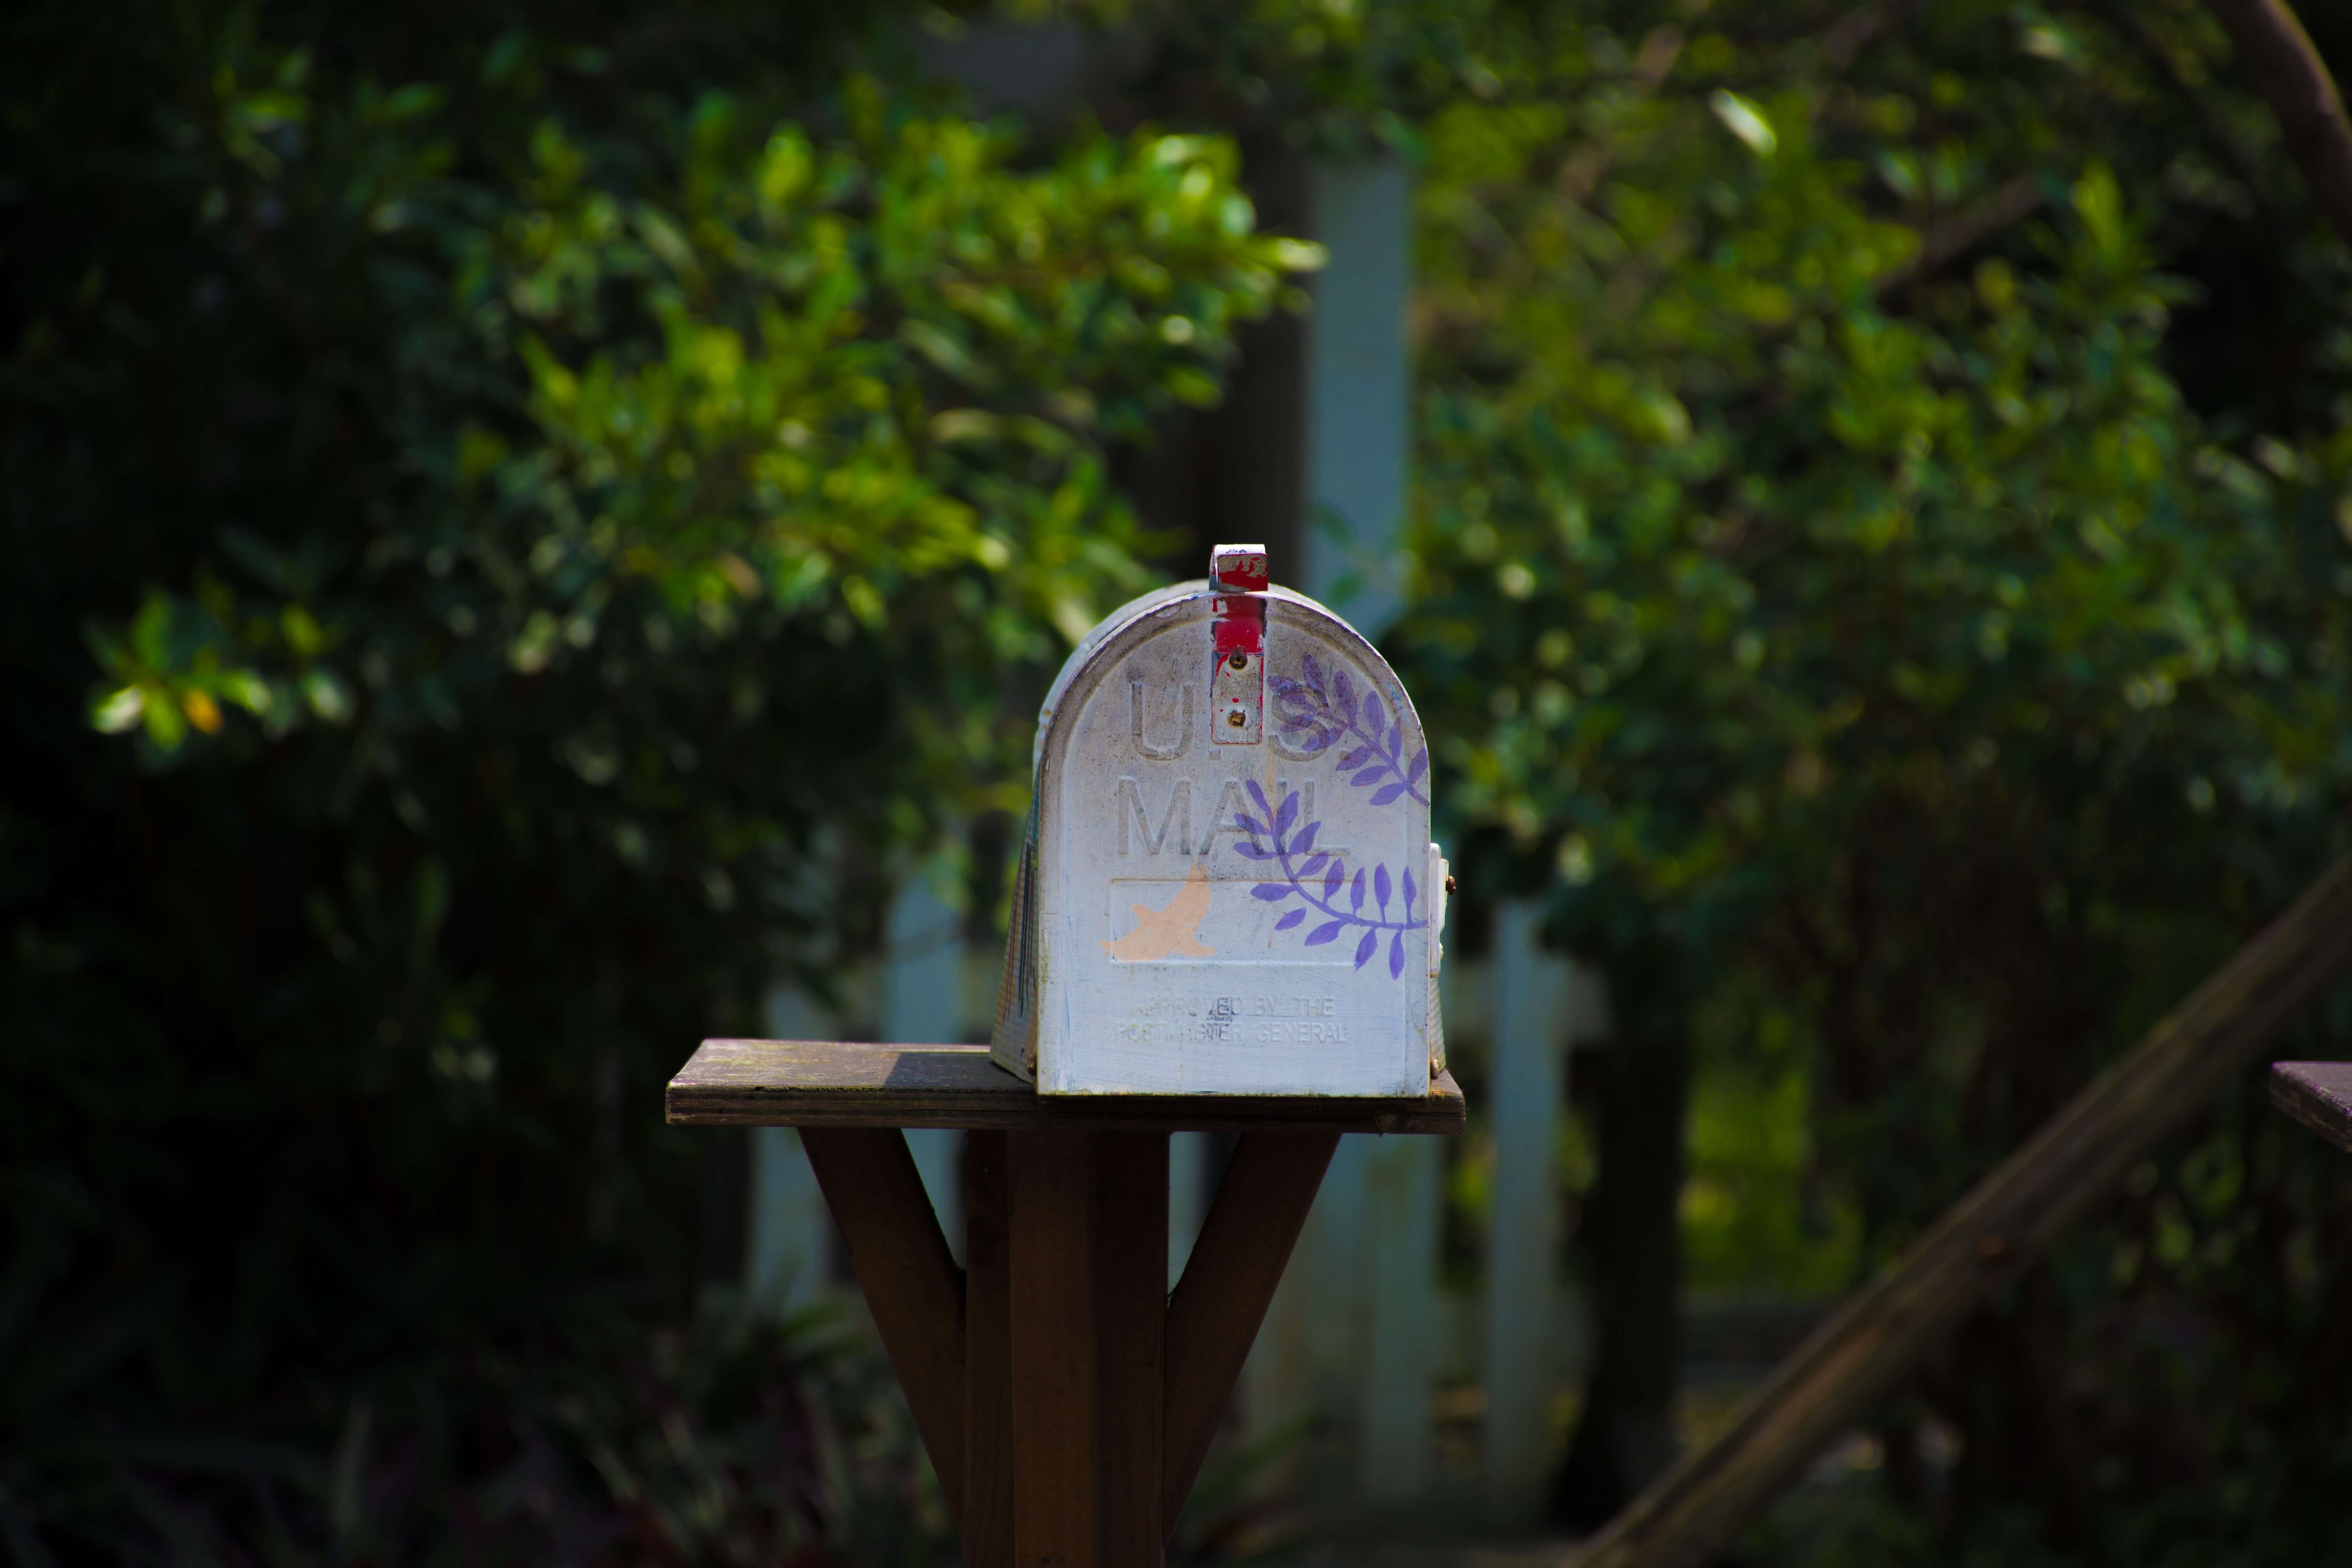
(1110, 1394)
(1066, 1400)
(1131, 1289)
(1053, 1450)
(988, 1351)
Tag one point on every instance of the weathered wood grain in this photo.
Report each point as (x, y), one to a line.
(2063, 1173)
(830, 1083)
(911, 1279)
(1261, 1203)
(1054, 1442)
(1130, 1248)
(988, 1353)
(2318, 1094)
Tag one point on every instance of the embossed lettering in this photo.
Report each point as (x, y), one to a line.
(1185, 725)
(1129, 804)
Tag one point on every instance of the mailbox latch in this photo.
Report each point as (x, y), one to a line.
(1237, 681)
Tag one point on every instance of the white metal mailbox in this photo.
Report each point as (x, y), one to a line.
(1227, 885)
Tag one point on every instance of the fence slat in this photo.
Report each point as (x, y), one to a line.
(922, 1003)
(1188, 1154)
(1399, 1372)
(1531, 1016)
(788, 1257)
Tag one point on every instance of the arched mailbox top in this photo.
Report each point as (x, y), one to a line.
(1227, 885)
(1140, 615)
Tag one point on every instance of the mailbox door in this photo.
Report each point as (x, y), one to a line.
(1223, 918)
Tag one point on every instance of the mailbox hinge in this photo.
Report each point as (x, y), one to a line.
(1237, 678)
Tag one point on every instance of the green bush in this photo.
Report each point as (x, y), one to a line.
(1906, 651)
(503, 523)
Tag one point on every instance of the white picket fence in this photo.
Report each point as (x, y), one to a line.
(1363, 1335)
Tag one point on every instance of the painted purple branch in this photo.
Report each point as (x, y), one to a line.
(1377, 758)
(1407, 923)
(1388, 762)
(1285, 846)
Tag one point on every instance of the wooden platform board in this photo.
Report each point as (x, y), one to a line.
(826, 1083)
(2318, 1094)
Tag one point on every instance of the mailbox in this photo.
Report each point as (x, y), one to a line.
(1228, 884)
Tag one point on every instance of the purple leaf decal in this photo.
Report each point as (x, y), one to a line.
(1374, 760)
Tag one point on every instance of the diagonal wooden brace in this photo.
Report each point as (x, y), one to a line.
(1066, 1401)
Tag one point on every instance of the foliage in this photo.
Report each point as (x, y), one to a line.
(487, 545)
(1347, 79)
(1758, 1217)
(508, 512)
(1857, 592)
(738, 1439)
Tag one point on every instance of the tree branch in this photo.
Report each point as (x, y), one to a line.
(2057, 1179)
(2293, 81)
(2129, 20)
(1947, 242)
